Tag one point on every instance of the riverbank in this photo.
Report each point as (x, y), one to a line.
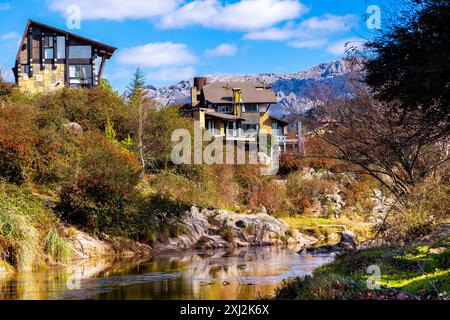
(203, 229)
(416, 270)
(245, 273)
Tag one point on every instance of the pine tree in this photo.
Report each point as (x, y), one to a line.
(139, 105)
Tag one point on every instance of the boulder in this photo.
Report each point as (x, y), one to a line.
(302, 239)
(73, 128)
(347, 241)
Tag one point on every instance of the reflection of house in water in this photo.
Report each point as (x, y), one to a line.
(49, 58)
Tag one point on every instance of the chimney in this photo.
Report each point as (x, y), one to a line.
(200, 82)
(237, 101)
(196, 91)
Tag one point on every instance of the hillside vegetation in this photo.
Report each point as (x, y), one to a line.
(91, 159)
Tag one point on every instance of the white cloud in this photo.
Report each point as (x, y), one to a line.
(340, 47)
(276, 34)
(158, 54)
(244, 15)
(172, 74)
(313, 43)
(5, 6)
(224, 49)
(117, 9)
(10, 36)
(307, 33)
(328, 23)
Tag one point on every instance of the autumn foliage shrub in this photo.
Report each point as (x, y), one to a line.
(321, 155)
(270, 194)
(302, 192)
(17, 140)
(102, 186)
(89, 108)
(289, 162)
(423, 211)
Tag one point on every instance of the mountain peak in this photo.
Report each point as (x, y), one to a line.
(294, 90)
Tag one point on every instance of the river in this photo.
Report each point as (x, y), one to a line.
(245, 273)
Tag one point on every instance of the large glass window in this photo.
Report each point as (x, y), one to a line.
(61, 47)
(80, 74)
(80, 52)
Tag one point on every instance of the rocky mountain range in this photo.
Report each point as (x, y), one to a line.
(296, 92)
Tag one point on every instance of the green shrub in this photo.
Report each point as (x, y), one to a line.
(23, 219)
(57, 247)
(101, 190)
(89, 108)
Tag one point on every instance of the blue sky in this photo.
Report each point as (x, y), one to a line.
(174, 40)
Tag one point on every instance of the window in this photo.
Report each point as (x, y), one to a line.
(253, 127)
(48, 42)
(48, 53)
(80, 52)
(225, 109)
(48, 47)
(250, 108)
(80, 74)
(25, 68)
(61, 47)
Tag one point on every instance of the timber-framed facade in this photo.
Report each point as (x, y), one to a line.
(50, 58)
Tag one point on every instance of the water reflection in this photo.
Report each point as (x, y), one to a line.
(246, 273)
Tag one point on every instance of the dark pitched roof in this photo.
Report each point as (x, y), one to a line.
(109, 50)
(223, 116)
(279, 119)
(251, 92)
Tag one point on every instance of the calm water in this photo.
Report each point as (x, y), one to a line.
(247, 273)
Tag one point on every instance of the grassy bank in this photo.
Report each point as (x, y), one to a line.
(28, 230)
(317, 227)
(416, 271)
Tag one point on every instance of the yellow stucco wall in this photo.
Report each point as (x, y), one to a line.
(265, 123)
(45, 80)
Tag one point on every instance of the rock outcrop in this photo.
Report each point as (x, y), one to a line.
(88, 247)
(222, 229)
(205, 229)
(347, 241)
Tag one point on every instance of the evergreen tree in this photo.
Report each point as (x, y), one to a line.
(410, 64)
(140, 106)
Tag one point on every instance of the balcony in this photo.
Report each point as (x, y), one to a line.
(240, 135)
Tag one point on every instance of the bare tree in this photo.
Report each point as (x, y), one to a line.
(390, 145)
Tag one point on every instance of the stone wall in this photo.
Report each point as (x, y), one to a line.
(45, 80)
